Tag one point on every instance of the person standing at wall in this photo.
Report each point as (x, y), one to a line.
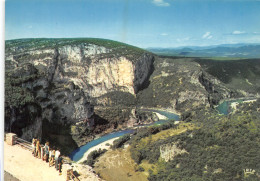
(34, 147)
(38, 149)
(52, 152)
(57, 154)
(47, 150)
(60, 161)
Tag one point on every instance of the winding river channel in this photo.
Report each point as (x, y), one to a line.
(223, 108)
(77, 154)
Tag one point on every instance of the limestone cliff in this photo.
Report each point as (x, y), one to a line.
(63, 80)
(68, 91)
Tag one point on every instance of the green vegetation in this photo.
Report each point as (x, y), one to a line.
(94, 155)
(118, 143)
(142, 149)
(221, 149)
(218, 147)
(116, 48)
(17, 95)
(237, 74)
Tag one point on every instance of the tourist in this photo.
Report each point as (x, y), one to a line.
(38, 149)
(60, 161)
(46, 147)
(57, 154)
(34, 147)
(51, 161)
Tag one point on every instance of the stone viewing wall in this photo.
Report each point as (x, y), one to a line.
(67, 171)
(11, 138)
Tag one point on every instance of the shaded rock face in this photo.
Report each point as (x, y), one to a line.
(180, 84)
(216, 90)
(66, 83)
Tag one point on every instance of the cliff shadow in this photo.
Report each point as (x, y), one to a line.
(59, 136)
(146, 82)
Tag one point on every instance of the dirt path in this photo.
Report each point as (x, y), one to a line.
(21, 164)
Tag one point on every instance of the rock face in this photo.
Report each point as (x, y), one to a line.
(64, 80)
(85, 172)
(169, 151)
(180, 85)
(67, 91)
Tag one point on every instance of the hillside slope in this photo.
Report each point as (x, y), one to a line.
(69, 91)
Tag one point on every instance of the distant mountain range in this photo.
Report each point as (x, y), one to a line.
(225, 50)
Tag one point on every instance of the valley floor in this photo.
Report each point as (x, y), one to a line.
(118, 165)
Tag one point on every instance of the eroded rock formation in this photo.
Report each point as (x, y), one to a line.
(169, 151)
(64, 83)
(68, 91)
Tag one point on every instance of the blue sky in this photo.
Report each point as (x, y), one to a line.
(143, 23)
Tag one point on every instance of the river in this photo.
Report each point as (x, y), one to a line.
(77, 154)
(225, 106)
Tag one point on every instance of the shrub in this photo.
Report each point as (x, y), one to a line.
(120, 141)
(94, 155)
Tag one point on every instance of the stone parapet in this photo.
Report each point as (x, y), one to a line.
(11, 138)
(67, 171)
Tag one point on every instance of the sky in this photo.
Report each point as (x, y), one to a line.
(142, 23)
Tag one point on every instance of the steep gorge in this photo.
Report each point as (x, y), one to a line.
(63, 83)
(68, 91)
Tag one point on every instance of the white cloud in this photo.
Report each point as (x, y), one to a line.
(30, 27)
(255, 31)
(207, 35)
(160, 3)
(164, 34)
(236, 32)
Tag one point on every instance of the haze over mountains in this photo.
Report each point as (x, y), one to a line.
(241, 50)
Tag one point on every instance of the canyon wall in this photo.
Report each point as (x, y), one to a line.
(68, 91)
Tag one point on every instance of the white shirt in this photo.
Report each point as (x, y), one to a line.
(57, 154)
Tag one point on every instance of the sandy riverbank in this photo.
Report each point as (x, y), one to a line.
(160, 116)
(234, 104)
(103, 145)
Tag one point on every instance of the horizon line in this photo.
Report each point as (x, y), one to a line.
(148, 47)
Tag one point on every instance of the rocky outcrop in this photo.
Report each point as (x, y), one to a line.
(65, 81)
(85, 172)
(216, 90)
(180, 84)
(169, 151)
(68, 91)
